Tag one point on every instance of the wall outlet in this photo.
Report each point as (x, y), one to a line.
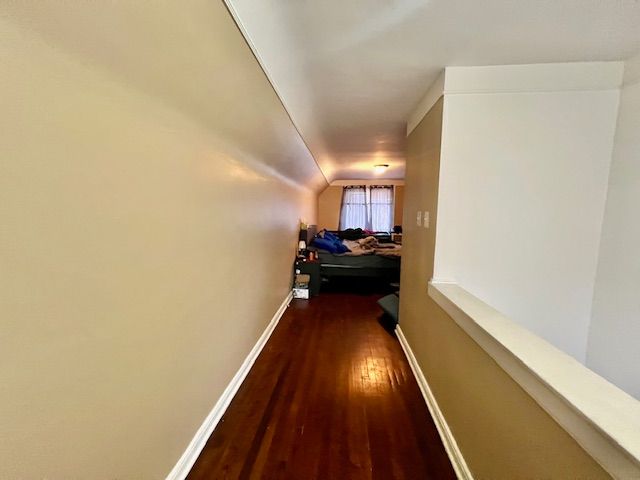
(426, 219)
(419, 218)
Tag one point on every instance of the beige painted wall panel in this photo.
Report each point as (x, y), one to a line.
(398, 204)
(502, 432)
(143, 248)
(329, 204)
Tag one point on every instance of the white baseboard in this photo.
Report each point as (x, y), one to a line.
(190, 455)
(450, 445)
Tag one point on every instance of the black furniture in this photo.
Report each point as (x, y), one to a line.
(370, 266)
(311, 268)
(380, 267)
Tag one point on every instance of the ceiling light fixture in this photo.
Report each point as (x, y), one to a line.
(380, 168)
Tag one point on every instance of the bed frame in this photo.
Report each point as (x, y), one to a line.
(369, 266)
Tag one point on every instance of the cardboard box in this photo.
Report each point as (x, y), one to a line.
(302, 281)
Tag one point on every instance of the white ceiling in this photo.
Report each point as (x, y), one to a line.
(350, 72)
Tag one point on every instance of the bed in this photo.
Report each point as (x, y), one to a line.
(372, 266)
(378, 265)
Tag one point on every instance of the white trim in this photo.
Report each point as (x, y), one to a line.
(435, 91)
(453, 451)
(603, 419)
(541, 77)
(190, 455)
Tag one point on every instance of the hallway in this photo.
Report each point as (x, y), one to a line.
(331, 397)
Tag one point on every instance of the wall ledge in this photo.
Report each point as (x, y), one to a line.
(603, 419)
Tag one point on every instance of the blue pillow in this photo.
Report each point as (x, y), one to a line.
(341, 247)
(331, 236)
(326, 244)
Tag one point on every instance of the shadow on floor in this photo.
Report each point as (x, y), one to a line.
(357, 286)
(388, 323)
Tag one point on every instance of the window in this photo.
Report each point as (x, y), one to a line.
(369, 208)
(381, 208)
(354, 208)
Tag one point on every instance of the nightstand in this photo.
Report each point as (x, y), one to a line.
(311, 268)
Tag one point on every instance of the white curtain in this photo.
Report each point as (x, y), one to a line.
(381, 207)
(369, 208)
(354, 208)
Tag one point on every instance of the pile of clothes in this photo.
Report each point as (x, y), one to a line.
(330, 242)
(363, 246)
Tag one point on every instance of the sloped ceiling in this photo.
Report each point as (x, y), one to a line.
(190, 58)
(350, 72)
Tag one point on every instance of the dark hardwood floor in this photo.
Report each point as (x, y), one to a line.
(330, 397)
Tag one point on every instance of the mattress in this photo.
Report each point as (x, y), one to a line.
(354, 262)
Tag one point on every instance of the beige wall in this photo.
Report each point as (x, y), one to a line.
(502, 432)
(142, 155)
(398, 204)
(330, 202)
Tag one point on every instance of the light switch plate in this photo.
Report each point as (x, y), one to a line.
(419, 218)
(426, 219)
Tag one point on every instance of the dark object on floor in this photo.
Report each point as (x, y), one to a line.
(356, 285)
(390, 304)
(331, 396)
(388, 323)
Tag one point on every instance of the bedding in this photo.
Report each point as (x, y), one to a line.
(366, 256)
(329, 242)
(356, 248)
(370, 246)
(391, 252)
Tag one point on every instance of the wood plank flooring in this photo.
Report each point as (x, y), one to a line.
(330, 397)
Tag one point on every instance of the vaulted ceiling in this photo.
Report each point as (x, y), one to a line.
(351, 72)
